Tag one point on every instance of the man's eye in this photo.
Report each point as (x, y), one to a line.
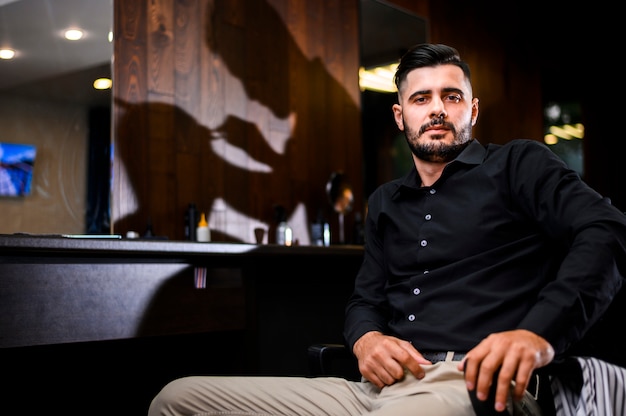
(454, 98)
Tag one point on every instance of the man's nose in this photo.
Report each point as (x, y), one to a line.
(438, 110)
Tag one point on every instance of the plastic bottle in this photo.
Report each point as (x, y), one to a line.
(191, 221)
(359, 232)
(326, 234)
(317, 233)
(203, 234)
(284, 234)
(320, 231)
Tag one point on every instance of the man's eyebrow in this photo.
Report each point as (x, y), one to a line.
(420, 92)
(446, 90)
(452, 89)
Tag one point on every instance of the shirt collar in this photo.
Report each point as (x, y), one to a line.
(473, 154)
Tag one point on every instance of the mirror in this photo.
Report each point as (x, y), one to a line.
(47, 100)
(341, 198)
(386, 32)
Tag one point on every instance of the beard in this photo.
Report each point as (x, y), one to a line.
(436, 150)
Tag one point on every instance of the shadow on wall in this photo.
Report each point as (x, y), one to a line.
(234, 148)
(197, 155)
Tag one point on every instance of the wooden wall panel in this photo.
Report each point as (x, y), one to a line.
(242, 105)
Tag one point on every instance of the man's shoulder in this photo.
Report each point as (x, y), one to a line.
(517, 144)
(386, 192)
(518, 148)
(390, 187)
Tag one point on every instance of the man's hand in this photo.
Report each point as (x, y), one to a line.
(516, 353)
(383, 358)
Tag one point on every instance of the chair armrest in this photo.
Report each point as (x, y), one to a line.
(486, 407)
(330, 359)
(538, 402)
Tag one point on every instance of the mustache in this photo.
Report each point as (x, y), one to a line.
(436, 122)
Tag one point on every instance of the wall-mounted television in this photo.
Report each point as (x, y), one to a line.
(16, 168)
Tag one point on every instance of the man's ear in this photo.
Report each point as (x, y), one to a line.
(474, 111)
(397, 116)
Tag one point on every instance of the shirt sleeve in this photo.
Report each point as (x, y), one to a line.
(593, 235)
(367, 309)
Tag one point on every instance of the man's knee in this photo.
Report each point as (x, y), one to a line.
(169, 400)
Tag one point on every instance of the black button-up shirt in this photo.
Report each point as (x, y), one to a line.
(507, 238)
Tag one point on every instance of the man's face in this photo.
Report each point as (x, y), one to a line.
(436, 111)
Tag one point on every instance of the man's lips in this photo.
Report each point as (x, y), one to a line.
(437, 129)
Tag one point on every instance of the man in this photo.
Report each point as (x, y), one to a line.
(481, 259)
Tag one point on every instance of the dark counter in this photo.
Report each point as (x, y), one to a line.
(119, 317)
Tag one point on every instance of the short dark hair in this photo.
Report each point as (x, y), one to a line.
(428, 54)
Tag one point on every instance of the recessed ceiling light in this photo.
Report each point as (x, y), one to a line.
(7, 53)
(73, 34)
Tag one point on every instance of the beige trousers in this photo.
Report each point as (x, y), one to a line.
(441, 392)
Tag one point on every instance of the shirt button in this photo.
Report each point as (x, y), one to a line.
(411, 317)
(416, 291)
(423, 243)
(427, 217)
(433, 192)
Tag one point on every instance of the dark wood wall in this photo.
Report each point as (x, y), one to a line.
(525, 54)
(192, 77)
(506, 74)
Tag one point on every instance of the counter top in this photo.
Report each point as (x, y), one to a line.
(64, 245)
